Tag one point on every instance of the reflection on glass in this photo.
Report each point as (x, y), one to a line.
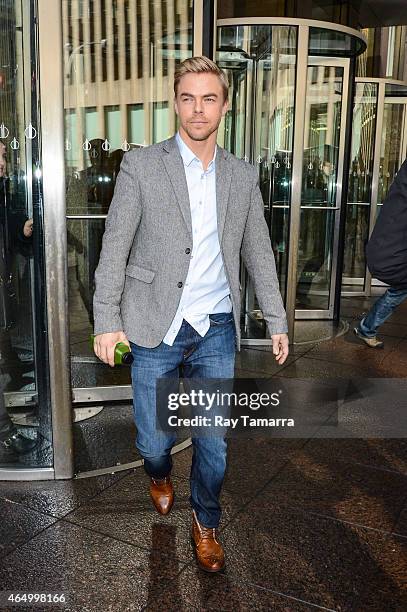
(84, 244)
(321, 155)
(360, 184)
(25, 439)
(119, 64)
(391, 150)
(260, 63)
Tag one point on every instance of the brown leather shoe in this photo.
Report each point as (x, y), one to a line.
(209, 553)
(162, 494)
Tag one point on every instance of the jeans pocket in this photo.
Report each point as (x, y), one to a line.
(222, 318)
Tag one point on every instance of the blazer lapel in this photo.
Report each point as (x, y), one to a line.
(223, 181)
(175, 168)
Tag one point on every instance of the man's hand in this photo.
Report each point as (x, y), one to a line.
(104, 345)
(280, 347)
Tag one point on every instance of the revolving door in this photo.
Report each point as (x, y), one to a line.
(289, 95)
(379, 147)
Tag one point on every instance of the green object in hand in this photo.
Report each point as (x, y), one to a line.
(122, 353)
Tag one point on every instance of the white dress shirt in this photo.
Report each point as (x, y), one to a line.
(206, 289)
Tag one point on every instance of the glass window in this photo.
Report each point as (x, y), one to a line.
(25, 420)
(360, 184)
(260, 64)
(118, 95)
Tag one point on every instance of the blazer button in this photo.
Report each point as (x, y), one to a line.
(179, 284)
(187, 251)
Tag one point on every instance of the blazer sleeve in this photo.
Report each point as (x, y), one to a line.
(258, 257)
(121, 225)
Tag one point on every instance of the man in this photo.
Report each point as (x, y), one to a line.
(168, 281)
(387, 259)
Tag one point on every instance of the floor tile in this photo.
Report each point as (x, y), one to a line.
(325, 562)
(259, 361)
(346, 491)
(19, 524)
(125, 511)
(196, 590)
(385, 454)
(306, 367)
(56, 498)
(349, 350)
(94, 572)
(252, 462)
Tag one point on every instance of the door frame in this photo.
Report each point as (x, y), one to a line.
(368, 282)
(344, 63)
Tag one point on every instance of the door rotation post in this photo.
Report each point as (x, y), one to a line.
(209, 28)
(56, 252)
(297, 169)
(345, 186)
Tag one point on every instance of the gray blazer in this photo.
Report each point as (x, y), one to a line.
(145, 252)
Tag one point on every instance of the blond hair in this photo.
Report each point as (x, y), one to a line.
(198, 65)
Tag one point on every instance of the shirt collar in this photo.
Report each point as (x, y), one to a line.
(187, 155)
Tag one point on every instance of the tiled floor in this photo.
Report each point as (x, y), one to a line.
(308, 524)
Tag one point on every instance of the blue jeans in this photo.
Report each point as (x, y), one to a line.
(211, 356)
(381, 311)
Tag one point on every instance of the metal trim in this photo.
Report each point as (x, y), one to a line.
(375, 174)
(339, 183)
(292, 21)
(380, 80)
(82, 395)
(27, 474)
(20, 398)
(197, 27)
(296, 176)
(86, 217)
(312, 315)
(128, 466)
(52, 116)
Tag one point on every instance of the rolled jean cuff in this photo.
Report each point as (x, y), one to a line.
(158, 467)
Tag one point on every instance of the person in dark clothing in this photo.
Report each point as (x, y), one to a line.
(387, 259)
(15, 228)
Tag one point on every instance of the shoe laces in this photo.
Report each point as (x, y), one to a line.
(208, 533)
(160, 481)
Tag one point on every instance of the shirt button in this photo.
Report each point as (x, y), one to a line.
(187, 251)
(179, 284)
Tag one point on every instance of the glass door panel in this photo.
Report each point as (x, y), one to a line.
(392, 150)
(320, 199)
(360, 186)
(260, 63)
(118, 90)
(24, 388)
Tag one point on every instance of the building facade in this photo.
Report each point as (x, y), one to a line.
(317, 104)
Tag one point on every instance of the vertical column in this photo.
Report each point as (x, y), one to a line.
(376, 171)
(76, 67)
(122, 71)
(171, 61)
(134, 42)
(88, 44)
(158, 62)
(297, 168)
(97, 16)
(145, 41)
(52, 113)
(198, 27)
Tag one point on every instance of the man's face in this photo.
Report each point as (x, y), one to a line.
(2, 160)
(199, 104)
